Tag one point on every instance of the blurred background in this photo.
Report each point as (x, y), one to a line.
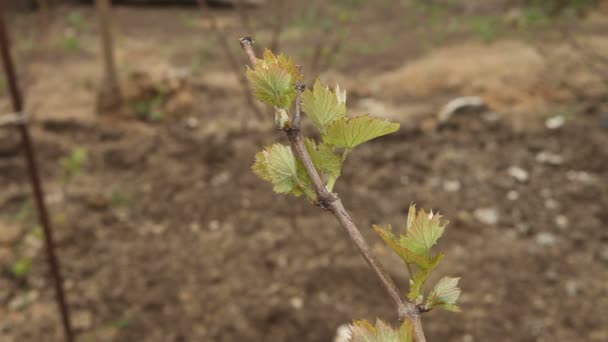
(164, 233)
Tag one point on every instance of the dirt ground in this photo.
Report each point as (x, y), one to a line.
(166, 235)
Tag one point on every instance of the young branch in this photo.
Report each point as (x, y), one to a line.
(406, 310)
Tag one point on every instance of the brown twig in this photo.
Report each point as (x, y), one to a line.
(232, 60)
(32, 166)
(406, 310)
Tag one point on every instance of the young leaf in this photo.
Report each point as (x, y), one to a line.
(445, 294)
(322, 105)
(408, 256)
(279, 166)
(325, 159)
(273, 80)
(423, 231)
(363, 331)
(420, 278)
(349, 133)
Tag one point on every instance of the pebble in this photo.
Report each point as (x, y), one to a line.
(451, 185)
(487, 216)
(572, 288)
(221, 178)
(555, 122)
(518, 173)
(551, 203)
(579, 176)
(192, 122)
(561, 221)
(549, 158)
(546, 239)
(214, 225)
(296, 302)
(512, 195)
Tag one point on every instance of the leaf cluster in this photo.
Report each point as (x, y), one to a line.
(364, 331)
(414, 248)
(274, 80)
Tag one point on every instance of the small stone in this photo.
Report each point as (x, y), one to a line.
(512, 195)
(214, 225)
(487, 216)
(546, 239)
(221, 178)
(451, 185)
(561, 221)
(404, 180)
(192, 122)
(579, 176)
(10, 233)
(551, 203)
(555, 122)
(549, 158)
(572, 288)
(518, 173)
(296, 302)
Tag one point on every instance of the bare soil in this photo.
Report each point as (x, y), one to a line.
(166, 235)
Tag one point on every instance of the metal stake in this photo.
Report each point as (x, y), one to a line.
(30, 157)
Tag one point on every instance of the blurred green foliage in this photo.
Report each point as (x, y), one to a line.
(73, 164)
(22, 267)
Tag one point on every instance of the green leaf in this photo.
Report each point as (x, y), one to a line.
(349, 133)
(324, 106)
(445, 294)
(279, 166)
(273, 80)
(408, 256)
(327, 162)
(423, 231)
(22, 267)
(420, 278)
(364, 331)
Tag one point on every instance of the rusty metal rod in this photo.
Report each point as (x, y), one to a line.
(30, 157)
